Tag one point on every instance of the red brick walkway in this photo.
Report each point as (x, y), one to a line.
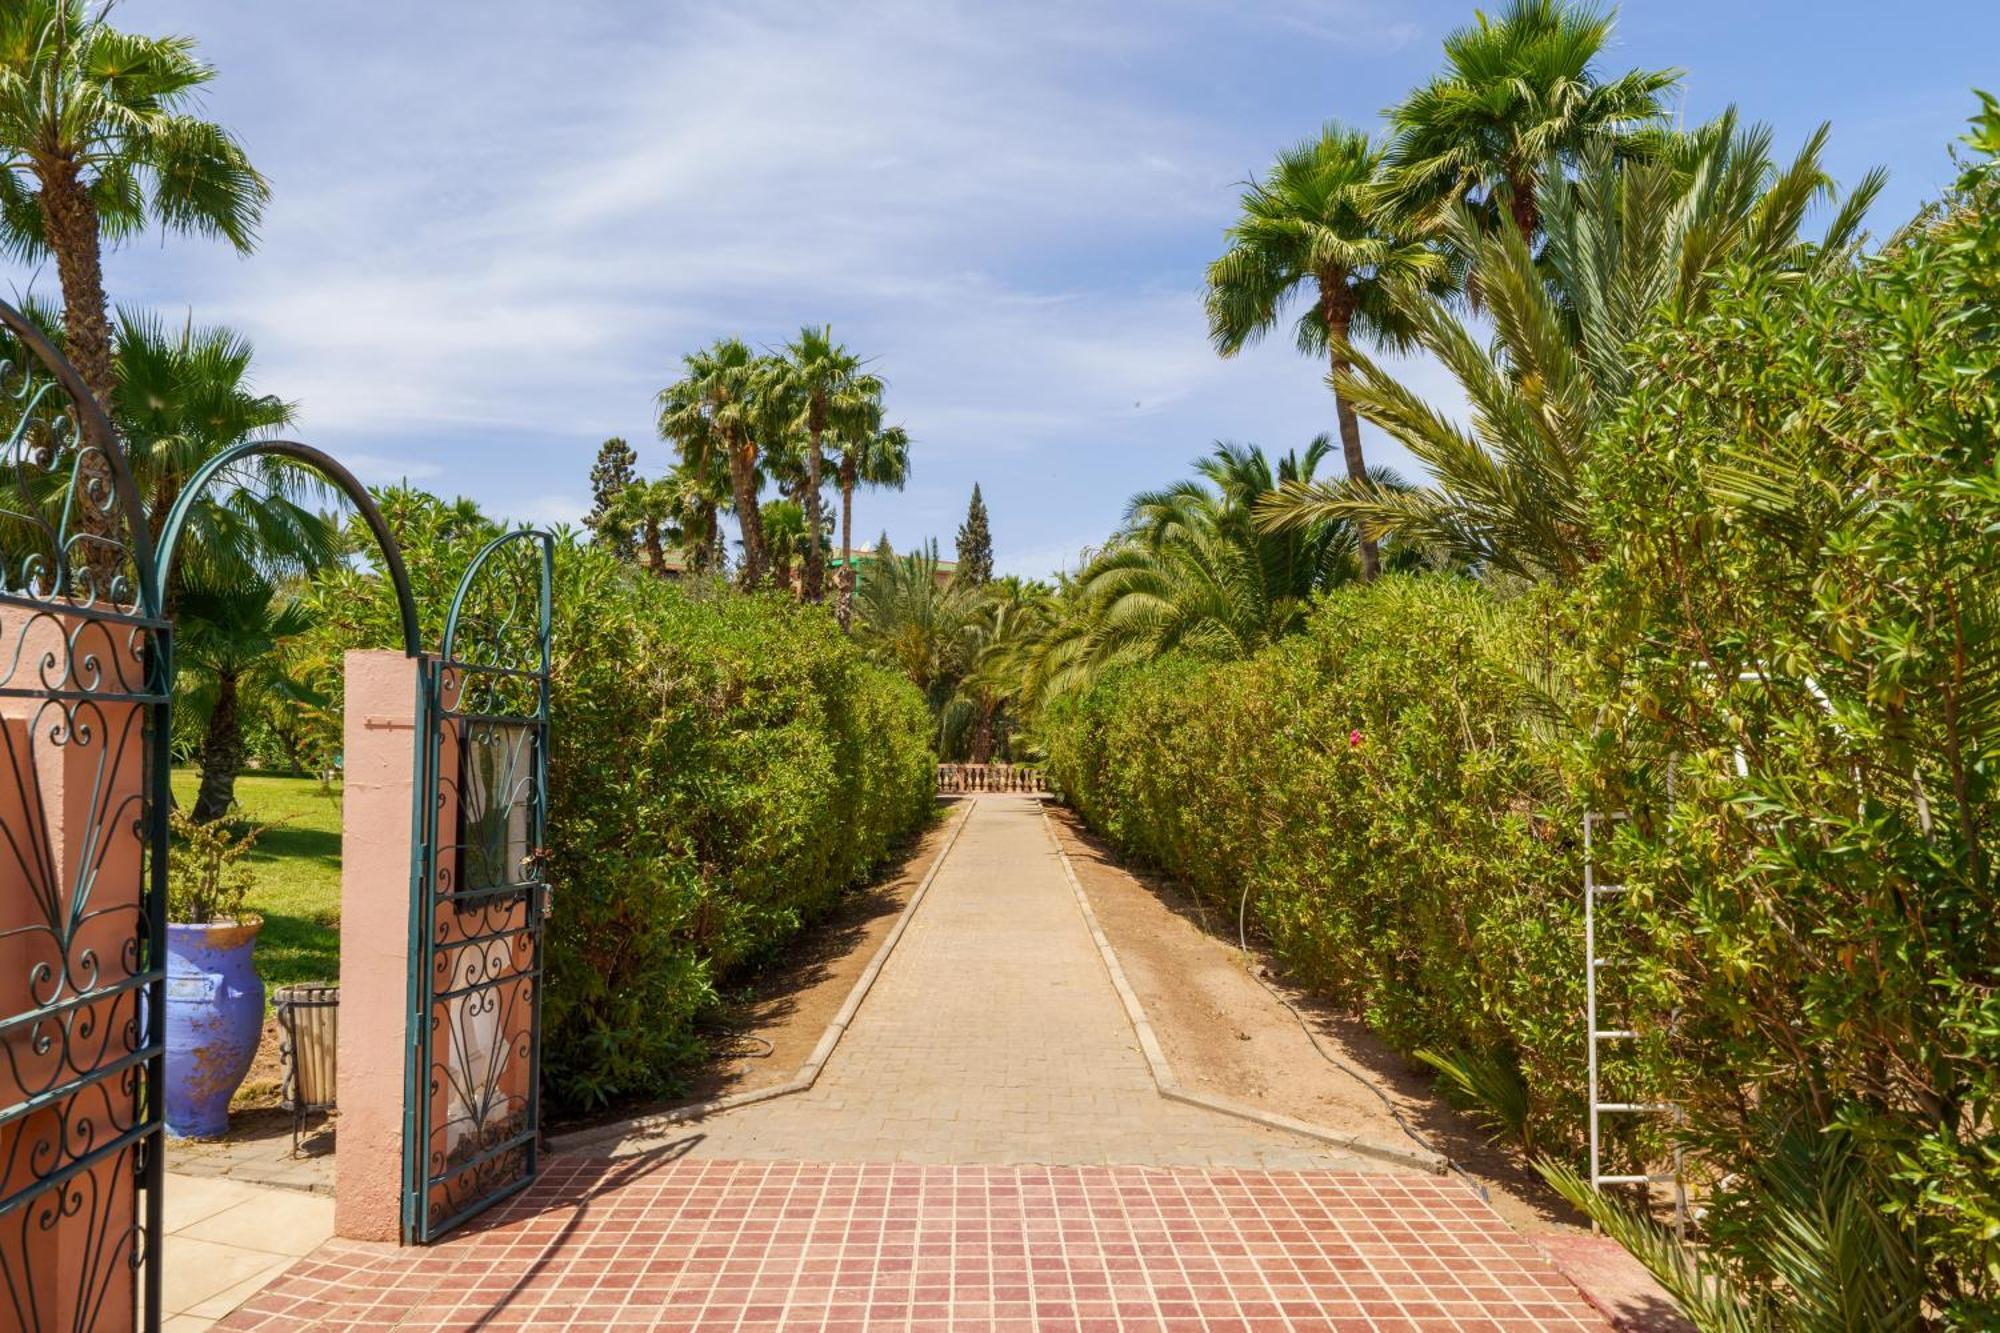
(646, 1243)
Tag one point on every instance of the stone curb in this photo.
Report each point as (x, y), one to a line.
(659, 1122)
(1171, 1088)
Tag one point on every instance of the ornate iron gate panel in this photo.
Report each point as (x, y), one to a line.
(474, 1096)
(83, 735)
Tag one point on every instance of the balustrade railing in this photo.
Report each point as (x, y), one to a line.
(952, 778)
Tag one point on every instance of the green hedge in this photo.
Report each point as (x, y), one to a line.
(1405, 841)
(721, 769)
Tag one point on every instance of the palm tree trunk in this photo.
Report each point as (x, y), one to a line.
(1338, 309)
(743, 481)
(221, 754)
(812, 579)
(1526, 211)
(982, 732)
(656, 554)
(73, 234)
(843, 607)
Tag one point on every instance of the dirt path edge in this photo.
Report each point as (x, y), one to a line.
(1172, 1089)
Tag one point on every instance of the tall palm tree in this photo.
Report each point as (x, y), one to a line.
(97, 139)
(1517, 93)
(1627, 242)
(715, 404)
(1305, 227)
(832, 391)
(870, 454)
(231, 632)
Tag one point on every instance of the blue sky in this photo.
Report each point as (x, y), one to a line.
(498, 225)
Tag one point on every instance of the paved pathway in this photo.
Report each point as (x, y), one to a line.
(994, 1035)
(985, 1149)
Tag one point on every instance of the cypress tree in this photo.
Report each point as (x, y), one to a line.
(614, 470)
(975, 543)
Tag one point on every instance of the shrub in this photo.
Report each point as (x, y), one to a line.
(1801, 612)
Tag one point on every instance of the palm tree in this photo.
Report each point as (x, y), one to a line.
(832, 391)
(870, 455)
(1517, 94)
(184, 397)
(785, 538)
(1627, 242)
(913, 621)
(1192, 572)
(653, 509)
(715, 404)
(1306, 227)
(231, 632)
(96, 141)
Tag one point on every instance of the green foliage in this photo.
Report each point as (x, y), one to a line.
(207, 879)
(1372, 786)
(721, 768)
(1800, 620)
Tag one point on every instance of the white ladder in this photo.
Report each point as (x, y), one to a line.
(1599, 1108)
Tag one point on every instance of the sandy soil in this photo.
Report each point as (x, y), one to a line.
(1224, 1033)
(777, 1014)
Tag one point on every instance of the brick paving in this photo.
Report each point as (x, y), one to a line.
(696, 1244)
(984, 1150)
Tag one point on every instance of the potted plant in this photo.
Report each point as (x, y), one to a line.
(215, 999)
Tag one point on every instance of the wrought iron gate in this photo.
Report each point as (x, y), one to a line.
(83, 733)
(473, 1103)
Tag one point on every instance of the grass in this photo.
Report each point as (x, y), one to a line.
(297, 861)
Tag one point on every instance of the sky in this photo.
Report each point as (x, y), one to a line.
(496, 227)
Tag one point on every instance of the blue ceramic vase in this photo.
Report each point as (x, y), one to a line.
(215, 1014)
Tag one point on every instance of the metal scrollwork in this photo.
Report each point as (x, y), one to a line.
(484, 892)
(83, 725)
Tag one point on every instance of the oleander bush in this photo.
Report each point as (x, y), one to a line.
(722, 767)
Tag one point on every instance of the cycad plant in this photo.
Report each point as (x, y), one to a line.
(1306, 229)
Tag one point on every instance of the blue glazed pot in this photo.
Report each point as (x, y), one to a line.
(215, 1014)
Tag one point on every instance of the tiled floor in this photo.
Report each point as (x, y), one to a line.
(226, 1239)
(635, 1243)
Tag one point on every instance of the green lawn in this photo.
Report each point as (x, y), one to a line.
(297, 859)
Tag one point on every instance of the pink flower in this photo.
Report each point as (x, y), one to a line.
(1353, 738)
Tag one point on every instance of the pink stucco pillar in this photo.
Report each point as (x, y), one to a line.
(379, 748)
(71, 913)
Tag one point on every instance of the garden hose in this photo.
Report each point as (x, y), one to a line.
(1250, 965)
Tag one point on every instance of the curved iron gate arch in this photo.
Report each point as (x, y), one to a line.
(473, 1098)
(332, 470)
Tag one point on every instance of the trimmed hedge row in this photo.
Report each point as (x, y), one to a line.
(1368, 792)
(721, 769)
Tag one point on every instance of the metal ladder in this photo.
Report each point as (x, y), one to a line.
(1599, 1108)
